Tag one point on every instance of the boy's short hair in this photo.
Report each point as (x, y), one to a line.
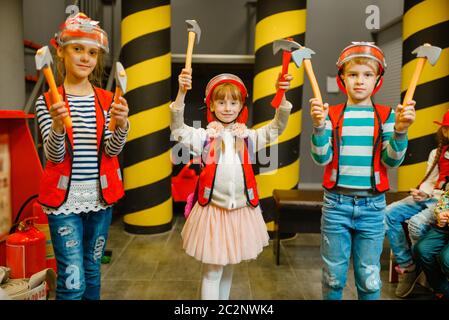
(361, 60)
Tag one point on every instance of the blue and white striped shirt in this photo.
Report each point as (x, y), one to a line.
(356, 149)
(85, 169)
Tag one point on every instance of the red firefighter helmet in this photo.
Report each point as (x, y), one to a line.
(79, 28)
(226, 78)
(361, 50)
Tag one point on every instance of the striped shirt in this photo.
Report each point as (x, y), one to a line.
(356, 149)
(85, 156)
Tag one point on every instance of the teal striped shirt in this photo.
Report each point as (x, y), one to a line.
(356, 149)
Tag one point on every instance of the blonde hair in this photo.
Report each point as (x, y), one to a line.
(223, 89)
(95, 77)
(361, 60)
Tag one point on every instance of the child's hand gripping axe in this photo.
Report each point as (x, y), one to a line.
(287, 46)
(43, 62)
(120, 89)
(423, 53)
(305, 54)
(194, 32)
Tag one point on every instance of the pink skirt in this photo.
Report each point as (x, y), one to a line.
(219, 236)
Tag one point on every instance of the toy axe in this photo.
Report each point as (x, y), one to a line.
(305, 55)
(194, 32)
(43, 62)
(423, 53)
(120, 89)
(287, 46)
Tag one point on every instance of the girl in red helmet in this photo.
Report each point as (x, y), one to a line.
(357, 141)
(82, 177)
(225, 225)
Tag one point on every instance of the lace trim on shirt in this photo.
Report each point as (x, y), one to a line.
(83, 197)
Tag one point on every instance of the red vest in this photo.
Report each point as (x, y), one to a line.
(55, 183)
(331, 172)
(443, 168)
(207, 176)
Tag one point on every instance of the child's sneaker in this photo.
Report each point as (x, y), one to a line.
(406, 281)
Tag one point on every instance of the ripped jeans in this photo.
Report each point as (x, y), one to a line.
(79, 241)
(352, 225)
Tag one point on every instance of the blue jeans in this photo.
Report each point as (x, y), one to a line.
(79, 241)
(420, 216)
(432, 254)
(352, 225)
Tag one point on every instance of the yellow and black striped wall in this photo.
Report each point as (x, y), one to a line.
(146, 56)
(424, 22)
(277, 20)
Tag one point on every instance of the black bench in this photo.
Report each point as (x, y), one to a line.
(299, 211)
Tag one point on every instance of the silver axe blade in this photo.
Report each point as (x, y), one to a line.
(428, 51)
(303, 53)
(193, 26)
(121, 78)
(43, 58)
(285, 45)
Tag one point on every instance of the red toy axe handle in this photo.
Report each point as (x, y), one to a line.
(286, 56)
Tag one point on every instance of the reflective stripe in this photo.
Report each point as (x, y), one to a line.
(377, 177)
(334, 175)
(250, 194)
(206, 194)
(104, 182)
(63, 182)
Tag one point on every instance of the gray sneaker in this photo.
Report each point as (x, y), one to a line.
(422, 280)
(406, 283)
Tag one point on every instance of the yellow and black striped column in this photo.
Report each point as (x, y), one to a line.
(277, 20)
(424, 22)
(146, 57)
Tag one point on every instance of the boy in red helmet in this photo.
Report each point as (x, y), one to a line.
(357, 141)
(225, 225)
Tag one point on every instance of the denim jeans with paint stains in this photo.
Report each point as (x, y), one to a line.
(419, 216)
(352, 225)
(79, 241)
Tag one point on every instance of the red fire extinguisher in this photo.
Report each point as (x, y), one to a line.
(25, 250)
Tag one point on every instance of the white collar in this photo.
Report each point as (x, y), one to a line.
(215, 128)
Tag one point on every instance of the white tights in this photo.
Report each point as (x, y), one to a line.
(216, 283)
